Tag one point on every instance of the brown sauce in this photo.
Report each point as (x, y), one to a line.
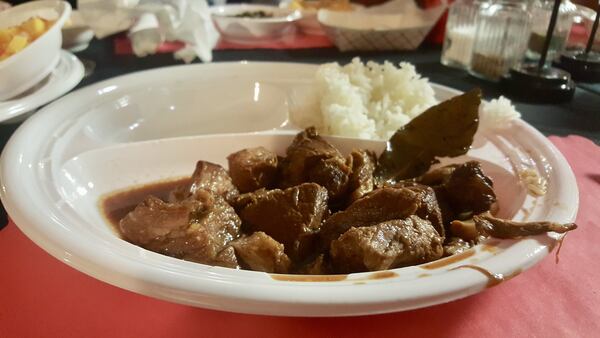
(423, 275)
(554, 244)
(116, 205)
(449, 260)
(560, 244)
(490, 246)
(382, 275)
(332, 278)
(493, 278)
(309, 278)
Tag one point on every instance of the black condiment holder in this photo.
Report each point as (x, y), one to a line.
(584, 65)
(541, 82)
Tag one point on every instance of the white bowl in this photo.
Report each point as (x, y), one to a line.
(26, 68)
(76, 34)
(65, 76)
(249, 30)
(136, 129)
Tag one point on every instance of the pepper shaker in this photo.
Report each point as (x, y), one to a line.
(501, 38)
(541, 11)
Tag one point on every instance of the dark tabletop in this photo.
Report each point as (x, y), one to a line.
(581, 116)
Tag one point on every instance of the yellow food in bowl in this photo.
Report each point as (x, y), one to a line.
(14, 39)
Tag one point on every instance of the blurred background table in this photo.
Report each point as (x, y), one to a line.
(581, 116)
(549, 301)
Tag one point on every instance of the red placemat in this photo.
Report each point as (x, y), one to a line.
(42, 297)
(122, 45)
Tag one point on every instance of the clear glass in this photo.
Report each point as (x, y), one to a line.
(583, 20)
(501, 38)
(541, 10)
(460, 33)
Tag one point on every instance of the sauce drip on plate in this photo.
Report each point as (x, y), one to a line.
(493, 278)
(309, 278)
(333, 278)
(449, 260)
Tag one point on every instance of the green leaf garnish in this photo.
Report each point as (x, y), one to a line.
(444, 130)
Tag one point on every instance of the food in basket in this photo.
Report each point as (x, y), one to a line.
(254, 15)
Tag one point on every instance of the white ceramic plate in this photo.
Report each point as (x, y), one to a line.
(147, 126)
(67, 74)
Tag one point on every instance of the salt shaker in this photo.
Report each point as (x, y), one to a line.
(540, 12)
(501, 36)
(460, 33)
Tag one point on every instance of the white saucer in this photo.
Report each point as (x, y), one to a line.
(67, 74)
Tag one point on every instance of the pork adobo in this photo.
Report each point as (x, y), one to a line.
(327, 216)
(316, 211)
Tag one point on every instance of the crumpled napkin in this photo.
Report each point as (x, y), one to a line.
(151, 22)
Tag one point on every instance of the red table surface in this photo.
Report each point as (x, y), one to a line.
(42, 297)
(122, 45)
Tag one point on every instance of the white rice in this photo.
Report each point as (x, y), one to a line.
(497, 113)
(372, 101)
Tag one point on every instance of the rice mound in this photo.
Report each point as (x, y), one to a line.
(369, 101)
(372, 101)
(497, 113)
